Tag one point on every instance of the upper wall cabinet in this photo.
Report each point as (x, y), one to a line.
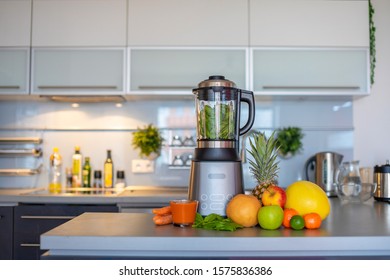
(158, 70)
(15, 23)
(308, 23)
(188, 23)
(14, 70)
(310, 71)
(78, 71)
(77, 23)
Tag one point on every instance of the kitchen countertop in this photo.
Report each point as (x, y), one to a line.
(132, 195)
(350, 231)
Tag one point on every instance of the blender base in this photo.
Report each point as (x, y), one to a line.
(214, 183)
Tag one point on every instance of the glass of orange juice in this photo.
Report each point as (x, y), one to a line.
(183, 212)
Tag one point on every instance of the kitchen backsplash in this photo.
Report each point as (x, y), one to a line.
(327, 126)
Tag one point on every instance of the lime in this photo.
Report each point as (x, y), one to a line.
(297, 222)
(270, 217)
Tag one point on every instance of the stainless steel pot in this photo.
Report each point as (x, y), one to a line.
(321, 169)
(382, 179)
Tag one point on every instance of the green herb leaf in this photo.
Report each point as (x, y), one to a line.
(215, 222)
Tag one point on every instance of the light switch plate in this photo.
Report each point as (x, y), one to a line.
(142, 166)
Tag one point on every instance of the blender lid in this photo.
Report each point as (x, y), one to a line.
(217, 81)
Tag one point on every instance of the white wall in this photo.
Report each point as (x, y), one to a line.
(371, 115)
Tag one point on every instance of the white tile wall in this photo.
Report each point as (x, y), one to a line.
(327, 125)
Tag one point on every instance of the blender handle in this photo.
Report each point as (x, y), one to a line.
(247, 97)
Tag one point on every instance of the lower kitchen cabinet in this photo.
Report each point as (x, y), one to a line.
(31, 220)
(6, 232)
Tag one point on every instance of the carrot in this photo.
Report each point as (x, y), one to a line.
(162, 219)
(162, 211)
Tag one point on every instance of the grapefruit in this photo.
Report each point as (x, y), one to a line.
(307, 197)
(242, 209)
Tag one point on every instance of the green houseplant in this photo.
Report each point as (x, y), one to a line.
(289, 140)
(148, 140)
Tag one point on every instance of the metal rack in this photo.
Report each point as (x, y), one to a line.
(15, 151)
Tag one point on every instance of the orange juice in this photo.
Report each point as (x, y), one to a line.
(183, 212)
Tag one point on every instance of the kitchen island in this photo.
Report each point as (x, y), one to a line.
(351, 231)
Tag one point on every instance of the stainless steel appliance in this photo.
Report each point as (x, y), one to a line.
(216, 170)
(321, 169)
(382, 179)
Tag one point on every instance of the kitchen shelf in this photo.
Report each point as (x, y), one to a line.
(21, 172)
(20, 152)
(20, 140)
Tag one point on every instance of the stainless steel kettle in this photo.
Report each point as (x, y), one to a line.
(321, 169)
(382, 179)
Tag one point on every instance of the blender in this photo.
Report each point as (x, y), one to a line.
(216, 170)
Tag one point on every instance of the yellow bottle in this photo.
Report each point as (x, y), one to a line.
(77, 160)
(108, 171)
(55, 172)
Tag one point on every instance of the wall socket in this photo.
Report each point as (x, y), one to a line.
(142, 166)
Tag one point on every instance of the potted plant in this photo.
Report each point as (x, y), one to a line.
(149, 141)
(289, 140)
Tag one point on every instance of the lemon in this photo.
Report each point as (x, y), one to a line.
(307, 197)
(242, 209)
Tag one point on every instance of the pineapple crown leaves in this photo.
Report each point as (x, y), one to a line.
(264, 151)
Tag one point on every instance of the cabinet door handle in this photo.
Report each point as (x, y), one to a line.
(79, 87)
(9, 87)
(30, 245)
(48, 217)
(312, 87)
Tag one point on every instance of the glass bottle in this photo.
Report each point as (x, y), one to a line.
(349, 178)
(108, 171)
(97, 179)
(69, 178)
(87, 173)
(55, 171)
(77, 168)
(120, 182)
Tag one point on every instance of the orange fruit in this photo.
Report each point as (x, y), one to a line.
(307, 197)
(287, 215)
(242, 209)
(312, 220)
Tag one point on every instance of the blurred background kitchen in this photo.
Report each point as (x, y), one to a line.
(353, 124)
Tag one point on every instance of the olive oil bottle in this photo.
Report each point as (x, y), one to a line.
(87, 173)
(108, 171)
(77, 160)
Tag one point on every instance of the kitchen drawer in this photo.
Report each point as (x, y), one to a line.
(33, 220)
(6, 236)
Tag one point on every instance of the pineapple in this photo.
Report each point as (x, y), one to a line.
(264, 165)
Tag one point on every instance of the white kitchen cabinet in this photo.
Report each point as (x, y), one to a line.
(78, 71)
(15, 23)
(309, 23)
(310, 71)
(188, 23)
(75, 23)
(179, 70)
(14, 70)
